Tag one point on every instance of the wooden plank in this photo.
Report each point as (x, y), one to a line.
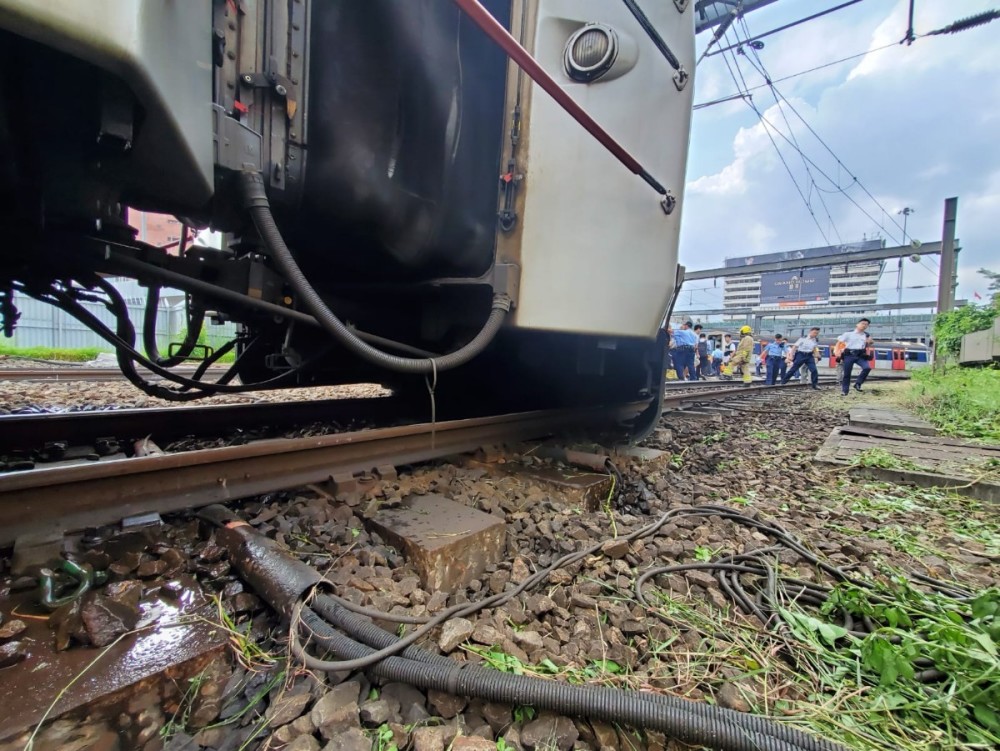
(920, 439)
(942, 462)
(891, 419)
(983, 491)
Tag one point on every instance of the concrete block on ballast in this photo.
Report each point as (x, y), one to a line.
(448, 543)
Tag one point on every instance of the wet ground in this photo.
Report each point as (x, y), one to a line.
(583, 624)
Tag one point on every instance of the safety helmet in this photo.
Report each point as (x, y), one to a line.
(746, 330)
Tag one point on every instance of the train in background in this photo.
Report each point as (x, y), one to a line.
(402, 202)
(889, 354)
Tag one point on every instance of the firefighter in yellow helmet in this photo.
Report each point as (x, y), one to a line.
(744, 354)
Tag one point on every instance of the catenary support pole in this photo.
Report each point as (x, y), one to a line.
(946, 297)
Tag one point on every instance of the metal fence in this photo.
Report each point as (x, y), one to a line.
(44, 325)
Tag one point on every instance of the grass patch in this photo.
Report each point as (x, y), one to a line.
(925, 679)
(86, 354)
(914, 519)
(962, 402)
(51, 353)
(879, 457)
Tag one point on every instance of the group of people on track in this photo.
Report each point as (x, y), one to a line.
(692, 359)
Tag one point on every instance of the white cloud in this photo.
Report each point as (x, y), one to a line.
(731, 180)
(750, 145)
(762, 236)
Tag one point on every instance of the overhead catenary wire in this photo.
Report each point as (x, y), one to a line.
(781, 156)
(840, 164)
(791, 132)
(787, 26)
(789, 77)
(837, 188)
(961, 25)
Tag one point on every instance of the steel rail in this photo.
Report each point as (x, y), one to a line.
(88, 495)
(33, 431)
(79, 373)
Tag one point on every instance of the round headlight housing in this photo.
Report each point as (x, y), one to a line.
(590, 52)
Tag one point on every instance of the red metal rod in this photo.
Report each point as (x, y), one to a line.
(495, 30)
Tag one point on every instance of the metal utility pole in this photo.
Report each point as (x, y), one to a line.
(946, 297)
(906, 211)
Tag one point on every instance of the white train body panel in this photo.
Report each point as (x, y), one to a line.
(598, 253)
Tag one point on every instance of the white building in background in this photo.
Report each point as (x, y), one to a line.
(797, 290)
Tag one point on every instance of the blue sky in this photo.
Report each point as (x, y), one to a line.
(915, 124)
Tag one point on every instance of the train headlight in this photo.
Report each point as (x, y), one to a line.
(591, 52)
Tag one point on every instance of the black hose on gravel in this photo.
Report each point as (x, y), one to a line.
(366, 632)
(708, 726)
(255, 200)
(259, 560)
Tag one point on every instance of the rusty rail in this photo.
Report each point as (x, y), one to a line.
(76, 497)
(163, 424)
(83, 373)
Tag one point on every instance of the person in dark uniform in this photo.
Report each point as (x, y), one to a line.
(855, 353)
(803, 351)
(775, 359)
(704, 363)
(684, 348)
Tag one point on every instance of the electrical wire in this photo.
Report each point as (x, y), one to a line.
(840, 164)
(791, 131)
(787, 26)
(789, 77)
(777, 150)
(123, 340)
(837, 187)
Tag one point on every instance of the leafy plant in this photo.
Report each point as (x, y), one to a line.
(385, 739)
(717, 437)
(524, 714)
(704, 554)
(879, 457)
(962, 402)
(950, 327)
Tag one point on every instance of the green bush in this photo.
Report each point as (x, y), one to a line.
(949, 328)
(959, 401)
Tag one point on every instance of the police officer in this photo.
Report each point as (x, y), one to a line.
(855, 351)
(803, 351)
(775, 358)
(684, 346)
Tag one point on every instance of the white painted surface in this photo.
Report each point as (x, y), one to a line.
(598, 253)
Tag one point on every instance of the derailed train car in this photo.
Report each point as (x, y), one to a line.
(402, 201)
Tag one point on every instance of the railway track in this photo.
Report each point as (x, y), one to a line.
(91, 493)
(85, 374)
(104, 492)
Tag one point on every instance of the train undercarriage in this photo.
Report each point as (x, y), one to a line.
(399, 201)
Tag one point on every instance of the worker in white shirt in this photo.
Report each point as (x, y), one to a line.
(855, 343)
(802, 354)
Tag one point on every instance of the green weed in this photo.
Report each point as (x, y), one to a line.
(717, 437)
(962, 402)
(879, 457)
(925, 678)
(384, 739)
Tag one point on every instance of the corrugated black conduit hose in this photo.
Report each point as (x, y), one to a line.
(712, 728)
(255, 201)
(293, 588)
(363, 630)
